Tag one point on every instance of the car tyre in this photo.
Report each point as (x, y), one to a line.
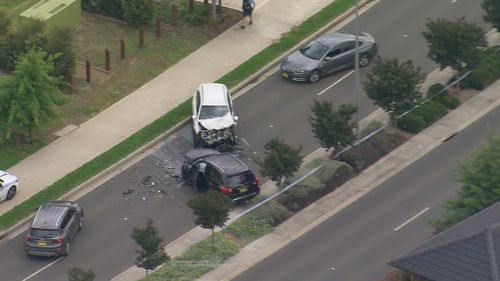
(314, 76)
(80, 225)
(66, 248)
(11, 193)
(364, 60)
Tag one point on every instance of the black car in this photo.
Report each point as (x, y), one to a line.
(207, 168)
(53, 228)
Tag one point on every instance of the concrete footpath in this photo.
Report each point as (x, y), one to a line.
(84, 142)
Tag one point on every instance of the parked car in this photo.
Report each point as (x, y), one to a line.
(209, 169)
(8, 186)
(53, 229)
(328, 53)
(213, 115)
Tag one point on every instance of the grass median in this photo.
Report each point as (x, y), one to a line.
(170, 119)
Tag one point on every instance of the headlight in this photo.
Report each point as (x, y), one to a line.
(298, 71)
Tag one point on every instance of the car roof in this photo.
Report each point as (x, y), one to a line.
(228, 163)
(213, 94)
(50, 215)
(335, 38)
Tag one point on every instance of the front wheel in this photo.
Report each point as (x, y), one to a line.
(364, 60)
(314, 76)
(80, 225)
(12, 193)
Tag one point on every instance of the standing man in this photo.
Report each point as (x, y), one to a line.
(247, 7)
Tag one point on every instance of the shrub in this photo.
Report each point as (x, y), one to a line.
(486, 73)
(112, 8)
(411, 122)
(197, 17)
(138, 12)
(431, 111)
(353, 158)
(443, 96)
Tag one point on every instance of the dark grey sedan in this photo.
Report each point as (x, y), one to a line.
(328, 53)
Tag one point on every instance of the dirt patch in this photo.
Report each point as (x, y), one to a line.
(241, 243)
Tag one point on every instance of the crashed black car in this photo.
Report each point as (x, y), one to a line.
(209, 169)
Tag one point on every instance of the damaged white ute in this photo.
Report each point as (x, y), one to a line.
(213, 115)
(8, 186)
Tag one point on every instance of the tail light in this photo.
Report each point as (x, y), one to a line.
(27, 238)
(224, 190)
(256, 181)
(59, 240)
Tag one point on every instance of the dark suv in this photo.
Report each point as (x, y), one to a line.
(207, 168)
(53, 228)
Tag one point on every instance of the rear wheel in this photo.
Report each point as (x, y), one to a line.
(12, 193)
(314, 76)
(364, 60)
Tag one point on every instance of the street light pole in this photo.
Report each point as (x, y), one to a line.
(357, 86)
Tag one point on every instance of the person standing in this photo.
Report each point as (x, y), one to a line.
(247, 7)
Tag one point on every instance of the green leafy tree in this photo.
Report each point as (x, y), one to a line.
(480, 185)
(456, 44)
(211, 209)
(5, 23)
(280, 160)
(394, 86)
(152, 253)
(332, 127)
(60, 46)
(78, 274)
(492, 9)
(138, 12)
(29, 96)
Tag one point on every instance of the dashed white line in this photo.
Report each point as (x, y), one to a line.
(42, 269)
(412, 218)
(335, 83)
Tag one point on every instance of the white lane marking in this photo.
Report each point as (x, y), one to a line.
(412, 218)
(333, 268)
(42, 269)
(245, 142)
(335, 83)
(180, 184)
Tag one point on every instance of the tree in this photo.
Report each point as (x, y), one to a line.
(456, 44)
(28, 99)
(480, 185)
(280, 160)
(60, 46)
(492, 9)
(332, 127)
(138, 12)
(211, 210)
(78, 274)
(394, 86)
(5, 23)
(152, 253)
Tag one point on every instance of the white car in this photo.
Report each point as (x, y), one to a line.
(213, 115)
(8, 186)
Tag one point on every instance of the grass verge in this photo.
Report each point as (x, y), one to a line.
(167, 121)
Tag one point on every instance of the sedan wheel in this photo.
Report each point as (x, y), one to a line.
(314, 76)
(12, 193)
(80, 225)
(364, 60)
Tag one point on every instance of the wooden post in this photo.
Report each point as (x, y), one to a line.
(122, 49)
(191, 6)
(107, 61)
(158, 27)
(87, 71)
(141, 38)
(174, 14)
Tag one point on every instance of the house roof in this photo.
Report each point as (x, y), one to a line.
(467, 251)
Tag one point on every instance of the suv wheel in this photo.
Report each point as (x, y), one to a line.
(12, 193)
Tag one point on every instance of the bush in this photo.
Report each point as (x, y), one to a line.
(111, 8)
(197, 17)
(439, 93)
(138, 12)
(411, 122)
(431, 111)
(486, 73)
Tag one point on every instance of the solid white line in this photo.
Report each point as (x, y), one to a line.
(42, 269)
(414, 217)
(336, 82)
(245, 142)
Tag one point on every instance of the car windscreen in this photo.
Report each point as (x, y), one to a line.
(43, 233)
(213, 111)
(239, 179)
(314, 50)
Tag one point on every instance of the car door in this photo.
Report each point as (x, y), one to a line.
(339, 57)
(214, 178)
(70, 224)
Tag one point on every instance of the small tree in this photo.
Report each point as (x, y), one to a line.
(211, 209)
(152, 253)
(60, 45)
(280, 161)
(332, 127)
(28, 99)
(138, 12)
(394, 86)
(78, 274)
(492, 9)
(455, 44)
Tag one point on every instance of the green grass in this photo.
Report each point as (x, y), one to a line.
(167, 121)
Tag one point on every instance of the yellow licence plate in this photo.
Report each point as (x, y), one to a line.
(42, 243)
(243, 189)
(284, 74)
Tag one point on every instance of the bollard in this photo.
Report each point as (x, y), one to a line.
(106, 59)
(191, 4)
(87, 71)
(158, 27)
(122, 49)
(174, 14)
(141, 38)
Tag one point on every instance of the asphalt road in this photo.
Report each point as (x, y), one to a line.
(273, 108)
(357, 243)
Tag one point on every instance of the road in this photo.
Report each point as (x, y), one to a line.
(272, 108)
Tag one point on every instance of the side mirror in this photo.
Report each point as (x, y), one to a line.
(327, 58)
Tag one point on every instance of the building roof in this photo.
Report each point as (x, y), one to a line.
(468, 251)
